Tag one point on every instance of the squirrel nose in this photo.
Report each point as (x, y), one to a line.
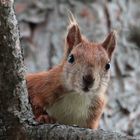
(88, 81)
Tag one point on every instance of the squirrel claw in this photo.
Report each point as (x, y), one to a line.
(45, 119)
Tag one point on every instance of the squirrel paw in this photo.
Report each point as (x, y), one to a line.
(45, 119)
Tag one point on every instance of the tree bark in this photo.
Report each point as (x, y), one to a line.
(16, 119)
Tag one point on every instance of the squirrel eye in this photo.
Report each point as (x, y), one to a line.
(107, 66)
(71, 58)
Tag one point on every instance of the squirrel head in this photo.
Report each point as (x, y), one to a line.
(86, 66)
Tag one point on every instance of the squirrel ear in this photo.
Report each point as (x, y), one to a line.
(110, 43)
(73, 37)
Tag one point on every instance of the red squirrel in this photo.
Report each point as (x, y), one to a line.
(74, 91)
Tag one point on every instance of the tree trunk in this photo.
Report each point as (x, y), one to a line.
(16, 119)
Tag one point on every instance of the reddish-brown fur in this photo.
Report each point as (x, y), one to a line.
(44, 88)
(47, 88)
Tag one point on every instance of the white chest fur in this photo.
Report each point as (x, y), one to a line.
(71, 109)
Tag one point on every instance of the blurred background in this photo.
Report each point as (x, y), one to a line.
(43, 25)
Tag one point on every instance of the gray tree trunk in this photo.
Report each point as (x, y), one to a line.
(16, 119)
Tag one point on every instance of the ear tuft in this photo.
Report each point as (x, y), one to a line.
(73, 37)
(71, 18)
(110, 43)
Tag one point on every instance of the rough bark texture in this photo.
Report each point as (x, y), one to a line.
(15, 113)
